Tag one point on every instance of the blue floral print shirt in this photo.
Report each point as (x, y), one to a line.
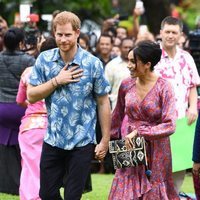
(71, 108)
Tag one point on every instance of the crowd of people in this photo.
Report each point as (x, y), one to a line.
(62, 101)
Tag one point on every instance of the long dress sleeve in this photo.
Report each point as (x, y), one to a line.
(118, 114)
(166, 126)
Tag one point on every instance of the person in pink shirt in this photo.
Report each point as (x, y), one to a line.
(32, 129)
(178, 66)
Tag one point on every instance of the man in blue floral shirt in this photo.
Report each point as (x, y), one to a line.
(72, 82)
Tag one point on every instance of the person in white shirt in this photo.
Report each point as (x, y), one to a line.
(116, 70)
(178, 66)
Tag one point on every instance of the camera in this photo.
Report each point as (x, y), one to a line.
(194, 38)
(116, 22)
(31, 36)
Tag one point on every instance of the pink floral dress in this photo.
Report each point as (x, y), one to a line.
(154, 118)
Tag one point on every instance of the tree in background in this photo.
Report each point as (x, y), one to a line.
(98, 10)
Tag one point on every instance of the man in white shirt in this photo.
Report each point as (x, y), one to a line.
(178, 66)
(116, 70)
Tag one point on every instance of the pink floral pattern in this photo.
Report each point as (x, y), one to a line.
(182, 73)
(36, 114)
(154, 118)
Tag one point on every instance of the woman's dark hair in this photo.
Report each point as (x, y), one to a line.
(84, 37)
(49, 43)
(147, 51)
(13, 37)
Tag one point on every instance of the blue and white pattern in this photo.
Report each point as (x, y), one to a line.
(71, 108)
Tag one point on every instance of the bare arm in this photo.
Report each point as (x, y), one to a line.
(192, 112)
(108, 23)
(104, 111)
(196, 169)
(36, 93)
(136, 24)
(24, 104)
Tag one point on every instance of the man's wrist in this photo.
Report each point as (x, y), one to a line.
(105, 140)
(56, 81)
(53, 83)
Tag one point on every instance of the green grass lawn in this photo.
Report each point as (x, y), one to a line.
(101, 184)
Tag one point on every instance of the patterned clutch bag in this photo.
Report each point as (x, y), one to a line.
(128, 158)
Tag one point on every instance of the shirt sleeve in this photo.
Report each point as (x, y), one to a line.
(37, 76)
(101, 85)
(109, 74)
(195, 79)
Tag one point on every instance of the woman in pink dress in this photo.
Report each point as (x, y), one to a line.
(146, 101)
(32, 129)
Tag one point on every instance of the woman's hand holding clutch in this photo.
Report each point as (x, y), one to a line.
(128, 139)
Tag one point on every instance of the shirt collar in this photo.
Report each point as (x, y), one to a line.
(165, 55)
(77, 58)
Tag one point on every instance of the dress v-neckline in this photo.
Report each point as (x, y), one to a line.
(147, 94)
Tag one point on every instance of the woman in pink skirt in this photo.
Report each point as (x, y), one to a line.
(31, 134)
(32, 130)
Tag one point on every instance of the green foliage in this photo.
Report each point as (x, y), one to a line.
(8, 9)
(94, 9)
(97, 10)
(190, 13)
(191, 18)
